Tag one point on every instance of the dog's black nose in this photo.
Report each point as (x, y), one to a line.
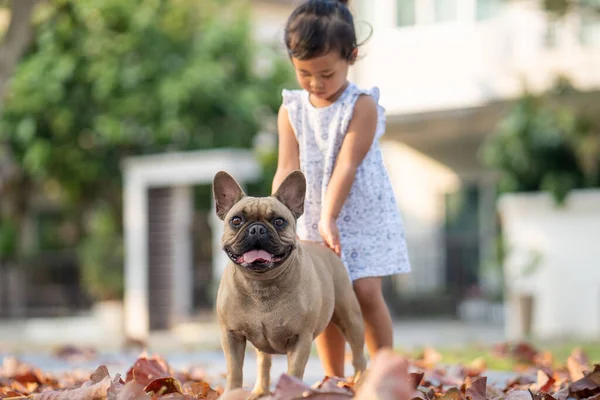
(257, 230)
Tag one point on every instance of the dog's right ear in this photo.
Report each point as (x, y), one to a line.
(226, 192)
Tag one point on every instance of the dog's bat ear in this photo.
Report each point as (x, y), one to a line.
(226, 192)
(291, 192)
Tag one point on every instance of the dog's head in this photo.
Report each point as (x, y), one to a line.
(259, 232)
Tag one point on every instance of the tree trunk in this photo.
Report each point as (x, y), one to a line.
(17, 39)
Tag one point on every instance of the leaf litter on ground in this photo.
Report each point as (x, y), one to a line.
(151, 378)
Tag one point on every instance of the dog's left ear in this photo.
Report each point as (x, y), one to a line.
(291, 192)
(226, 192)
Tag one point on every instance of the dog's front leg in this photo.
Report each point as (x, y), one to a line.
(263, 378)
(234, 347)
(297, 357)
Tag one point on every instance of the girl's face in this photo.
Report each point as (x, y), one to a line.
(324, 77)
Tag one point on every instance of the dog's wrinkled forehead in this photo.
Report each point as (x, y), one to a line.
(260, 208)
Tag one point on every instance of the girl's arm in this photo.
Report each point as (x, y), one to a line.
(356, 145)
(288, 158)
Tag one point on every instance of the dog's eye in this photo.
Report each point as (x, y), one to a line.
(279, 222)
(236, 221)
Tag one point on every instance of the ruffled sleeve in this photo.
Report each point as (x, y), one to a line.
(351, 102)
(292, 101)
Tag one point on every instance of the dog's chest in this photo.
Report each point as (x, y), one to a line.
(270, 335)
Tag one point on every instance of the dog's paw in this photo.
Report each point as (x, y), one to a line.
(255, 395)
(358, 379)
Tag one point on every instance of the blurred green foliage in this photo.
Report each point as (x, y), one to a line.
(102, 251)
(106, 79)
(560, 8)
(546, 143)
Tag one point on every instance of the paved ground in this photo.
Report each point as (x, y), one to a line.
(45, 334)
(197, 345)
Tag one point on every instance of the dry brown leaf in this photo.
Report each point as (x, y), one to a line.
(30, 376)
(202, 390)
(544, 359)
(429, 358)
(145, 370)
(162, 386)
(289, 387)
(131, 391)
(92, 391)
(74, 353)
(587, 386)
(419, 395)
(544, 382)
(415, 379)
(477, 389)
(519, 395)
(524, 352)
(476, 367)
(562, 394)
(578, 364)
(452, 394)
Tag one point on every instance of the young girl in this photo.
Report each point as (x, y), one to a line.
(330, 130)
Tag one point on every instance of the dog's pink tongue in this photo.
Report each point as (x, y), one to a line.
(254, 255)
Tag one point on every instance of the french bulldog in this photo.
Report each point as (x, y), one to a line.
(277, 292)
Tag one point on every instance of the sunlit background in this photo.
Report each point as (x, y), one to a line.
(115, 115)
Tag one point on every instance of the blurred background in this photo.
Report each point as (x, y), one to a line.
(115, 115)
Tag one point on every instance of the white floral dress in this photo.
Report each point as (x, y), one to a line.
(371, 231)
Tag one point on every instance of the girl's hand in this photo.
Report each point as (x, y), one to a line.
(331, 235)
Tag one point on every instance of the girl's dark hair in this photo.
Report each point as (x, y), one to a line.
(317, 27)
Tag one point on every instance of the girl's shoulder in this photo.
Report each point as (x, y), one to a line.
(365, 107)
(291, 97)
(357, 91)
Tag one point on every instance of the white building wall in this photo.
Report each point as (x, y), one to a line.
(465, 63)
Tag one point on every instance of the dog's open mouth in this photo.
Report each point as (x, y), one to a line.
(257, 259)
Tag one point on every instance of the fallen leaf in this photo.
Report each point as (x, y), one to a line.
(415, 379)
(115, 388)
(163, 386)
(544, 382)
(146, 370)
(500, 350)
(131, 391)
(476, 367)
(587, 386)
(289, 387)
(30, 376)
(73, 353)
(452, 394)
(202, 390)
(578, 364)
(520, 381)
(562, 394)
(524, 352)
(93, 391)
(477, 389)
(519, 395)
(419, 395)
(429, 358)
(544, 359)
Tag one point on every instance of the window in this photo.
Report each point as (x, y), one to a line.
(367, 11)
(487, 9)
(589, 33)
(445, 10)
(551, 34)
(405, 14)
